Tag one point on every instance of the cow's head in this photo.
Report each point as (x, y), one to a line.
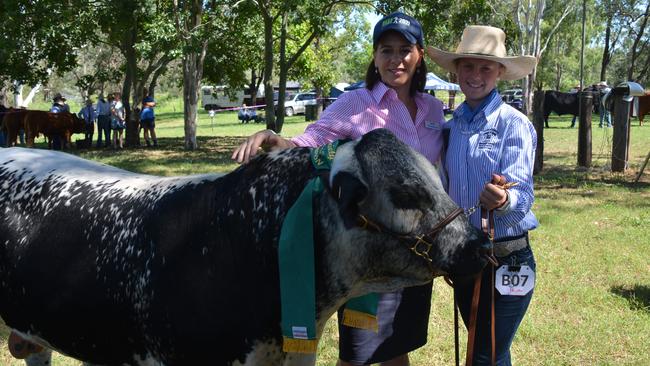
(399, 192)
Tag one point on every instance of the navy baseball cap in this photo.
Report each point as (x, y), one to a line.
(402, 23)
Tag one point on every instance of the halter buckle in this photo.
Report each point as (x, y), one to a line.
(423, 252)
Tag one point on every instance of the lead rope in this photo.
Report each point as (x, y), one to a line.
(487, 226)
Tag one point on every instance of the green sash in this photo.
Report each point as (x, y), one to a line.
(296, 265)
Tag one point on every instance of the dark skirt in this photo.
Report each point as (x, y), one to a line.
(403, 322)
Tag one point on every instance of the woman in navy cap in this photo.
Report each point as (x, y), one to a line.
(393, 98)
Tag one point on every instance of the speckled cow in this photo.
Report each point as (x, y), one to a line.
(117, 268)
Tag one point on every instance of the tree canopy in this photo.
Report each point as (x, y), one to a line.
(249, 43)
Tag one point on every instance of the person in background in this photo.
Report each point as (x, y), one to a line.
(58, 106)
(103, 109)
(118, 122)
(605, 116)
(488, 141)
(394, 99)
(244, 114)
(88, 114)
(148, 121)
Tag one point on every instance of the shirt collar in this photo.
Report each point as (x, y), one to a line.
(488, 106)
(379, 91)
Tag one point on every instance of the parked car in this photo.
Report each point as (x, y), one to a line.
(511, 94)
(295, 103)
(513, 97)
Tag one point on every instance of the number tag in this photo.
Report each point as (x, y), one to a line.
(514, 280)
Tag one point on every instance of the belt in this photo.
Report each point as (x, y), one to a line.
(505, 247)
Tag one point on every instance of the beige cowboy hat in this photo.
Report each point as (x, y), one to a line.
(488, 43)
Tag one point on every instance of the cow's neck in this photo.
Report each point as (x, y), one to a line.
(341, 270)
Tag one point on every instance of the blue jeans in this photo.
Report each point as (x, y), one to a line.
(509, 311)
(605, 116)
(103, 129)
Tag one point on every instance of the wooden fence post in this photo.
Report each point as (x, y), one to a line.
(621, 133)
(584, 129)
(538, 122)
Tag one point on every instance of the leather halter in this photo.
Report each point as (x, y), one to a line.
(421, 244)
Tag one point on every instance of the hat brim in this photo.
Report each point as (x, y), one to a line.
(517, 67)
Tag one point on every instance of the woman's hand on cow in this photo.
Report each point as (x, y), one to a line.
(266, 139)
(494, 195)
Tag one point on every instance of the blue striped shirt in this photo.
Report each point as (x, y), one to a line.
(494, 138)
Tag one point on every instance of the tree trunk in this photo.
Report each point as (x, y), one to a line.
(18, 94)
(151, 91)
(31, 95)
(268, 72)
(538, 122)
(132, 135)
(252, 87)
(284, 70)
(191, 80)
(3, 96)
(635, 45)
(606, 52)
(451, 101)
(526, 89)
(558, 75)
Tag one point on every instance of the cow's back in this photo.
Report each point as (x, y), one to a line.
(141, 249)
(45, 242)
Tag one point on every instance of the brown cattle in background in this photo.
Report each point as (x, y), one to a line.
(50, 125)
(644, 107)
(11, 123)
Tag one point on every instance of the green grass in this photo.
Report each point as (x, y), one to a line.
(592, 299)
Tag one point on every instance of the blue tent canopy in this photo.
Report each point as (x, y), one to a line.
(433, 83)
(357, 85)
(436, 83)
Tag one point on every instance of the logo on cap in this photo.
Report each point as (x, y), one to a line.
(396, 20)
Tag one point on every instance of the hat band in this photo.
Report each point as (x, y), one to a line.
(478, 54)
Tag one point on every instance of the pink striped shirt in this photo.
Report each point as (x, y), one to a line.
(360, 111)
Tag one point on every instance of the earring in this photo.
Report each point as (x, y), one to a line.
(417, 71)
(376, 70)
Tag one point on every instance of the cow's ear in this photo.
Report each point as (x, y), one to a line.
(348, 191)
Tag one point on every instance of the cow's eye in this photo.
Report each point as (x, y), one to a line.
(410, 197)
